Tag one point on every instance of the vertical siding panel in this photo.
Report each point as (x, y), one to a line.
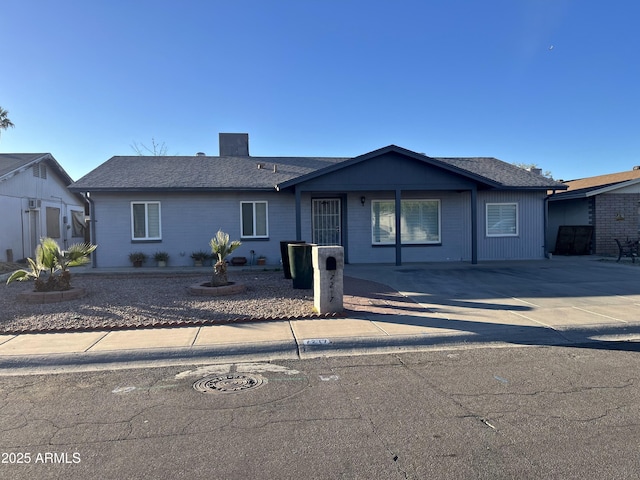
(455, 233)
(529, 244)
(189, 221)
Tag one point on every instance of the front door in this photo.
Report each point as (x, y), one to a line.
(327, 224)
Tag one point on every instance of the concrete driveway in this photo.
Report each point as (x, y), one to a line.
(576, 299)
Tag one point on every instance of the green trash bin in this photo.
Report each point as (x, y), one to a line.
(284, 256)
(301, 265)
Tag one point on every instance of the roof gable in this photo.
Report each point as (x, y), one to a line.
(485, 171)
(13, 163)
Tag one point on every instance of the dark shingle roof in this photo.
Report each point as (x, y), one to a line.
(242, 173)
(197, 173)
(502, 173)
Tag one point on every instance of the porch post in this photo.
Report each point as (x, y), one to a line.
(344, 225)
(474, 225)
(398, 227)
(298, 215)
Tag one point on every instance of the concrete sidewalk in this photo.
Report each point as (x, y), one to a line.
(559, 302)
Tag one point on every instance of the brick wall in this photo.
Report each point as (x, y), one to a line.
(616, 216)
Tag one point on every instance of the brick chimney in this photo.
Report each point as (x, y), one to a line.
(234, 144)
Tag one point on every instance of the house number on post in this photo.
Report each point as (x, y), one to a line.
(328, 265)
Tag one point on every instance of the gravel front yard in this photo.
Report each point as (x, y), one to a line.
(146, 300)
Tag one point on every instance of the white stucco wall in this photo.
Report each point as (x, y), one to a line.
(20, 226)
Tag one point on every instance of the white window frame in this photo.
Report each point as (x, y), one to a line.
(254, 219)
(517, 219)
(146, 221)
(416, 242)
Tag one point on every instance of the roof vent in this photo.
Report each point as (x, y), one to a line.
(201, 154)
(275, 168)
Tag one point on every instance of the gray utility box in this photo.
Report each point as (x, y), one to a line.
(328, 284)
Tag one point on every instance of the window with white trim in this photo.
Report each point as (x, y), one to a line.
(502, 219)
(145, 221)
(419, 222)
(254, 219)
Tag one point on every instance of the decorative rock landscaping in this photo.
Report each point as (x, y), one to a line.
(148, 300)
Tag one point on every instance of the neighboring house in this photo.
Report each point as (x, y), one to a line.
(35, 202)
(608, 204)
(451, 209)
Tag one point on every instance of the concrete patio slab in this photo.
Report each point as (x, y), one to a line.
(47, 343)
(244, 333)
(147, 338)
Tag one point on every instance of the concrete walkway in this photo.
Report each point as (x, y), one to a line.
(563, 301)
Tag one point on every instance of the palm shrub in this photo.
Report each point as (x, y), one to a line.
(50, 258)
(222, 248)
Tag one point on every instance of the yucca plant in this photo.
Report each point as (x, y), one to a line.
(222, 247)
(49, 257)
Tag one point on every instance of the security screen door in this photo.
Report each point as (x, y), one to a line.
(326, 221)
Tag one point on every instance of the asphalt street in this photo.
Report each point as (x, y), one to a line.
(465, 413)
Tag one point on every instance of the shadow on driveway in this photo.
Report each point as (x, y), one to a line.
(471, 303)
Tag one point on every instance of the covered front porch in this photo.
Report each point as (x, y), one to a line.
(354, 204)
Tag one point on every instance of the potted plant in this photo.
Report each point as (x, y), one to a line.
(222, 248)
(162, 258)
(137, 258)
(262, 260)
(199, 257)
(238, 261)
(49, 257)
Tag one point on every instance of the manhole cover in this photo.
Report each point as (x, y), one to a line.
(230, 383)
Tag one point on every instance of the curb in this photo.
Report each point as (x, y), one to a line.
(293, 349)
(152, 357)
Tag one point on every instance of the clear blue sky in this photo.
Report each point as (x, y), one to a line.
(550, 82)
